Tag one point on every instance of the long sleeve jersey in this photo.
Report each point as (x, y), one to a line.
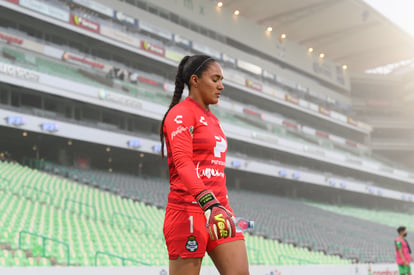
(196, 150)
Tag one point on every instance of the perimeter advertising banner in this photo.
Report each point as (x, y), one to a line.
(173, 55)
(81, 60)
(96, 6)
(154, 49)
(10, 39)
(377, 269)
(292, 99)
(254, 85)
(160, 32)
(352, 121)
(324, 111)
(124, 18)
(18, 72)
(46, 8)
(127, 38)
(84, 23)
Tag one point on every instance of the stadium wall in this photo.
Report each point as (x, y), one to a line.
(253, 35)
(366, 269)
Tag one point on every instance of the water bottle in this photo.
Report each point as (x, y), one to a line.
(243, 225)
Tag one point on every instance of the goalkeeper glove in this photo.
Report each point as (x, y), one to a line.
(220, 223)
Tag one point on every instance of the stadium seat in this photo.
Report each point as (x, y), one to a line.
(77, 227)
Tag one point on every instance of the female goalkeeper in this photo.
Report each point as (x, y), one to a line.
(198, 217)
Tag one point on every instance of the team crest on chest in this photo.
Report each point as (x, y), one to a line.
(191, 244)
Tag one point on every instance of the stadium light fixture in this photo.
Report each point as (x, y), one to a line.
(24, 134)
(269, 29)
(283, 36)
(321, 55)
(310, 50)
(108, 149)
(236, 12)
(344, 67)
(219, 4)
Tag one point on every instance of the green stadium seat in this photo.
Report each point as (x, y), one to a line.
(76, 227)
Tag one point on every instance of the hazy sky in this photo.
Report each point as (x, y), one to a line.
(398, 11)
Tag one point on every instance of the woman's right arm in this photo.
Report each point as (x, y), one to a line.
(178, 127)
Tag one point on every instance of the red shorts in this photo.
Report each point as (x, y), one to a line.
(186, 234)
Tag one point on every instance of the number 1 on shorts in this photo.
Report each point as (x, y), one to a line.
(191, 224)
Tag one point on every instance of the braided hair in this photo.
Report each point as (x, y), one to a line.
(189, 65)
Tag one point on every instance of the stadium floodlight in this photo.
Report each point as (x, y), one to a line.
(269, 29)
(219, 4)
(236, 12)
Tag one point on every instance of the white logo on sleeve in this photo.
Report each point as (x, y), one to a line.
(221, 146)
(203, 120)
(178, 119)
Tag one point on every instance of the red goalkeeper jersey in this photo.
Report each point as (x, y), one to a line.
(196, 149)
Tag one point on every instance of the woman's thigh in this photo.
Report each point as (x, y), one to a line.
(230, 258)
(188, 266)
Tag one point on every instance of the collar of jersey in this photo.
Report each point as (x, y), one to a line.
(198, 105)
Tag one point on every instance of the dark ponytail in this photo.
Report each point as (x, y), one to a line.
(178, 92)
(197, 65)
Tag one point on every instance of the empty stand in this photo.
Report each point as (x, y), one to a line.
(59, 221)
(286, 220)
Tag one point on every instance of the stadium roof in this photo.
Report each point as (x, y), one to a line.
(347, 31)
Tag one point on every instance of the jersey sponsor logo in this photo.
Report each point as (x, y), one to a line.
(221, 146)
(191, 244)
(208, 172)
(179, 130)
(203, 120)
(218, 162)
(178, 119)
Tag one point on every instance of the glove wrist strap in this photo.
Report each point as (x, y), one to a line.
(206, 199)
